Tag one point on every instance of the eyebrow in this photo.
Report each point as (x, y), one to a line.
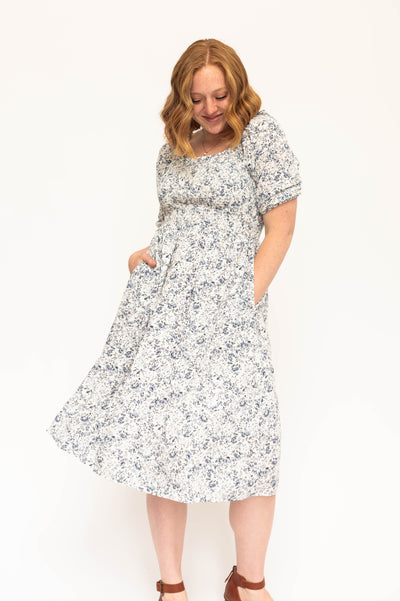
(223, 88)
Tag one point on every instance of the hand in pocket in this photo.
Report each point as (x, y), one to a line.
(139, 256)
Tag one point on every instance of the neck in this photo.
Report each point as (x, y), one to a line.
(212, 139)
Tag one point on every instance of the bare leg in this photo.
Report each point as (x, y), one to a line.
(167, 521)
(251, 520)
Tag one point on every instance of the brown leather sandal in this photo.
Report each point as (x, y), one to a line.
(164, 587)
(234, 580)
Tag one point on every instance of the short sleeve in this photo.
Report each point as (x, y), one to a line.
(272, 163)
(162, 163)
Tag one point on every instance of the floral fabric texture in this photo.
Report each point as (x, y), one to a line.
(181, 403)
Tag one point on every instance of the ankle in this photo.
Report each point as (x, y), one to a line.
(173, 588)
(250, 576)
(172, 579)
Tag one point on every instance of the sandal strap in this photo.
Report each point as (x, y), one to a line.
(240, 580)
(164, 587)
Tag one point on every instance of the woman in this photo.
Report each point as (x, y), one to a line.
(181, 403)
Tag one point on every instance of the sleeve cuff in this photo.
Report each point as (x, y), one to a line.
(266, 202)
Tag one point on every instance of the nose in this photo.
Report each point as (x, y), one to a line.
(211, 107)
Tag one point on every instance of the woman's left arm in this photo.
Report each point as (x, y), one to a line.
(279, 227)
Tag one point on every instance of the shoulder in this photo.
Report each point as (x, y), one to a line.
(165, 151)
(164, 157)
(264, 141)
(263, 128)
(259, 122)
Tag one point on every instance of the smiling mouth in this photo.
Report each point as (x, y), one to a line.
(213, 118)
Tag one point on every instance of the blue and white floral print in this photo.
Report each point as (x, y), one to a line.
(181, 403)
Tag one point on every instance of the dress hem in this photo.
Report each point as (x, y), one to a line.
(147, 489)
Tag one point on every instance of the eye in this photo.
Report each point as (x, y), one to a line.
(216, 98)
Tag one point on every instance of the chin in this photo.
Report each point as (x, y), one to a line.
(215, 127)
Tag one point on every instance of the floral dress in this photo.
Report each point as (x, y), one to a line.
(181, 402)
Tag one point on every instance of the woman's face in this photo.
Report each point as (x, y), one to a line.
(210, 98)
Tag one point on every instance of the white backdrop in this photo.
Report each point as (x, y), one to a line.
(82, 84)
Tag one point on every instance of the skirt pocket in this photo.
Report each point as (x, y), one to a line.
(251, 279)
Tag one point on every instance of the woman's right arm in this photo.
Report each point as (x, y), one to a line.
(138, 256)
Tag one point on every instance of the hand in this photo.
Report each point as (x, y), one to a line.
(139, 256)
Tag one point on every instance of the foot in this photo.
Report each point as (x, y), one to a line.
(261, 594)
(182, 596)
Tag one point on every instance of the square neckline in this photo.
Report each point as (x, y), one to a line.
(208, 156)
(262, 111)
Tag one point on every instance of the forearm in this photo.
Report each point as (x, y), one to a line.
(268, 259)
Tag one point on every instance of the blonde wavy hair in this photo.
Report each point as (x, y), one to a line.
(177, 113)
